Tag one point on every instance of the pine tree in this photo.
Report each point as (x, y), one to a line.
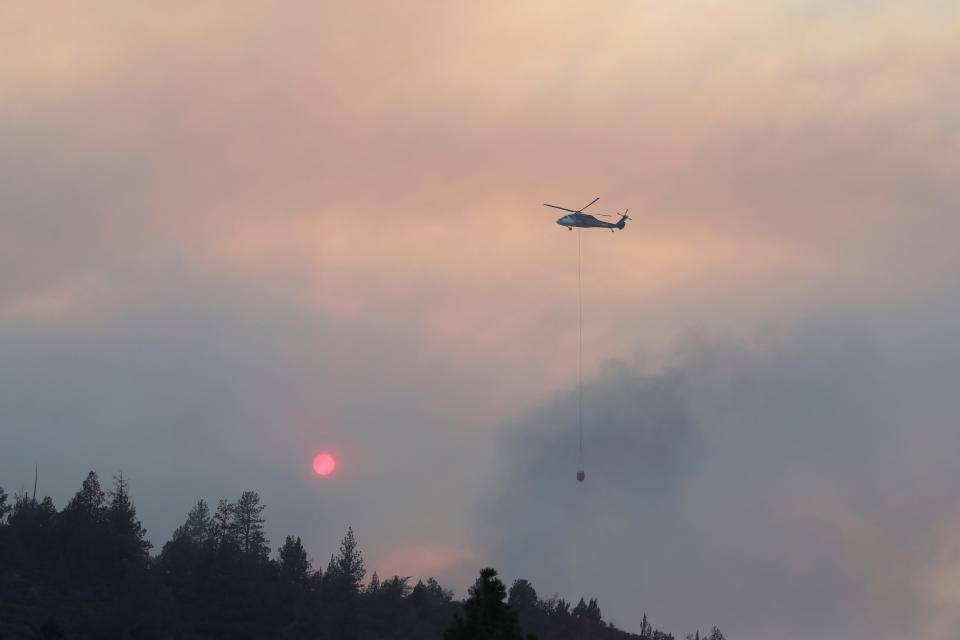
(342, 584)
(84, 533)
(295, 565)
(88, 503)
(438, 592)
(523, 596)
(580, 611)
(588, 612)
(427, 610)
(199, 524)
(248, 525)
(223, 530)
(557, 607)
(346, 570)
(127, 534)
(179, 556)
(716, 635)
(593, 611)
(33, 524)
(395, 588)
(485, 614)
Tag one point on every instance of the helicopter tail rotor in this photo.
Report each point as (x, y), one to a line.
(623, 216)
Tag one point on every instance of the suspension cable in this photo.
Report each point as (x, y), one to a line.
(580, 345)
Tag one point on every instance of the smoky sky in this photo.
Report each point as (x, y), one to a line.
(208, 395)
(239, 233)
(770, 486)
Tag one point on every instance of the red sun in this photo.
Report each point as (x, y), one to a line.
(323, 464)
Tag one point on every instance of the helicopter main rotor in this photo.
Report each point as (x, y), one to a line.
(580, 210)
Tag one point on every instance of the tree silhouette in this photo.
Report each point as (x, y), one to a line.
(342, 585)
(716, 635)
(588, 612)
(224, 532)
(248, 525)
(199, 524)
(346, 570)
(180, 555)
(295, 565)
(84, 534)
(384, 606)
(88, 569)
(485, 614)
(126, 533)
(522, 597)
(88, 503)
(429, 610)
(32, 526)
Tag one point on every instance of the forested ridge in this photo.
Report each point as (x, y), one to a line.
(87, 571)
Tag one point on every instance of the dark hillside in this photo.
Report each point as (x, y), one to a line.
(86, 572)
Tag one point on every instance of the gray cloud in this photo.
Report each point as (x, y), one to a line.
(770, 487)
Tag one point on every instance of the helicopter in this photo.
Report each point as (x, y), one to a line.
(577, 218)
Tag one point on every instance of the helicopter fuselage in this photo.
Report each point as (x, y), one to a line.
(586, 221)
